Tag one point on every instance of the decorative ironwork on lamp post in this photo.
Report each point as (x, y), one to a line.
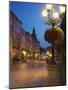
(51, 17)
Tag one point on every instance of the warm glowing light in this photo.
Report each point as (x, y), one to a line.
(55, 14)
(24, 52)
(44, 57)
(36, 54)
(62, 9)
(44, 13)
(50, 55)
(47, 53)
(49, 6)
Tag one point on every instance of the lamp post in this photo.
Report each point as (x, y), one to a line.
(51, 17)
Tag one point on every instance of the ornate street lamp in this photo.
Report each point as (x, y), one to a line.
(62, 11)
(51, 17)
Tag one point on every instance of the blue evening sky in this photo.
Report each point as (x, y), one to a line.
(30, 15)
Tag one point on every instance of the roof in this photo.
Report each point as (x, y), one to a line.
(11, 12)
(25, 31)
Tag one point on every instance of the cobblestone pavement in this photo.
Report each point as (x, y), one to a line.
(29, 75)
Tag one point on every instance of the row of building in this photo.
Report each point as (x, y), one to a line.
(20, 40)
(23, 43)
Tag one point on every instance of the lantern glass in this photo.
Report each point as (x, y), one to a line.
(49, 6)
(44, 13)
(62, 9)
(55, 14)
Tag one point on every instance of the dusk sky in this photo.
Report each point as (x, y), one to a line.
(30, 15)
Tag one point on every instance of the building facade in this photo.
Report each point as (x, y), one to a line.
(35, 44)
(21, 41)
(28, 42)
(15, 39)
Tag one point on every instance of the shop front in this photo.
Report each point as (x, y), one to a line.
(15, 47)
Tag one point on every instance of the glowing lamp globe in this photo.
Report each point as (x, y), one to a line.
(44, 13)
(49, 7)
(55, 14)
(62, 9)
